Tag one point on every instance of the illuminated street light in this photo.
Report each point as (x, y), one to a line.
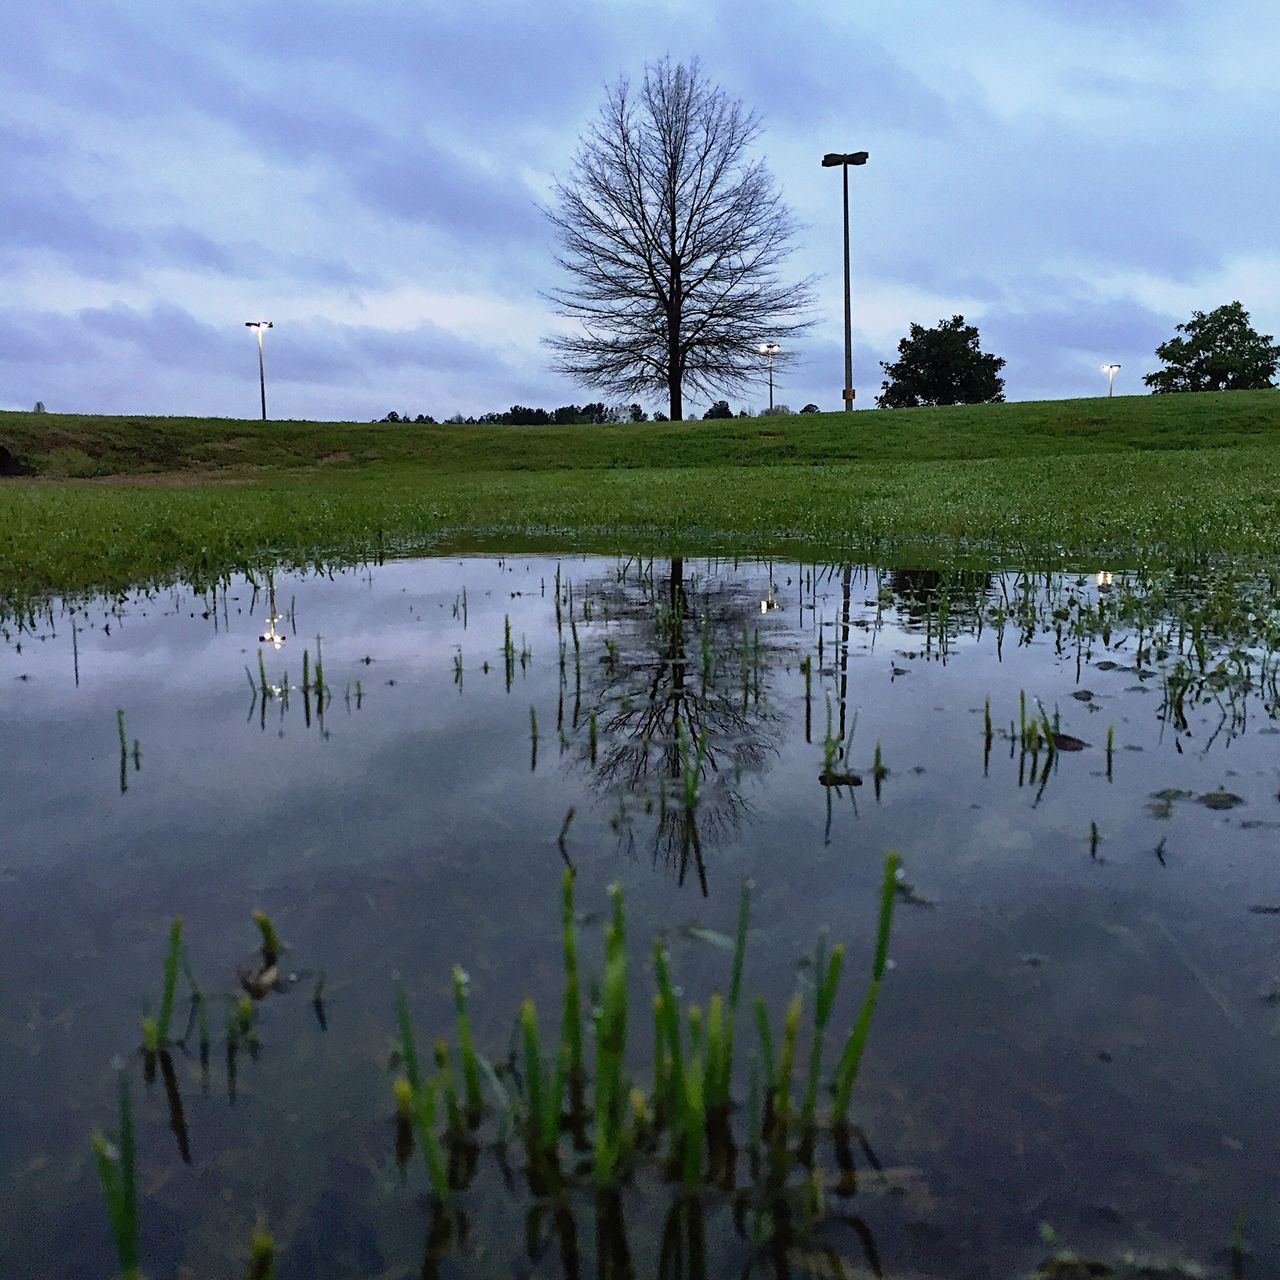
(1110, 371)
(258, 326)
(830, 161)
(769, 349)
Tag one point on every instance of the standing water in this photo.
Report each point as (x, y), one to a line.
(1077, 1030)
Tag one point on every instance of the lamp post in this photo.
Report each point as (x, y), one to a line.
(1110, 371)
(257, 326)
(769, 350)
(830, 161)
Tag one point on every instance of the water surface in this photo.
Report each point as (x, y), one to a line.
(1080, 1027)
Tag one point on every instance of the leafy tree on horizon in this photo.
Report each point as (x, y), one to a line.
(674, 240)
(1220, 352)
(943, 365)
(719, 410)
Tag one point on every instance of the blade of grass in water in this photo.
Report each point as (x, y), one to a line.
(851, 1058)
(466, 1046)
(444, 1072)
(766, 1042)
(262, 1255)
(827, 972)
(424, 1115)
(611, 1043)
(670, 1015)
(533, 1084)
(571, 1020)
(272, 947)
(408, 1047)
(117, 1171)
(782, 1088)
(171, 961)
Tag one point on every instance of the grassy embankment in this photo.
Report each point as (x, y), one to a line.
(114, 501)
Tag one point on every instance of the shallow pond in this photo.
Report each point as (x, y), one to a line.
(1081, 1025)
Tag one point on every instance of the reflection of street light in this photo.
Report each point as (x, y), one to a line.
(271, 633)
(258, 326)
(769, 349)
(1104, 579)
(1110, 371)
(829, 161)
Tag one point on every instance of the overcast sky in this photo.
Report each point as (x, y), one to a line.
(1074, 176)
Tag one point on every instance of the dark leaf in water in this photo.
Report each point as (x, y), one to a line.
(1065, 742)
(1221, 800)
(1083, 695)
(1161, 802)
(833, 778)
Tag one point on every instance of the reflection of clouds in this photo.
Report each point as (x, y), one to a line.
(996, 833)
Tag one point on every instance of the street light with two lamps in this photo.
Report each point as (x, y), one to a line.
(830, 161)
(258, 326)
(769, 350)
(1110, 371)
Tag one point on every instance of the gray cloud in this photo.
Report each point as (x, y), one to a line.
(291, 151)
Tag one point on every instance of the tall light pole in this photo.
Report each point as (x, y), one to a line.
(830, 161)
(769, 350)
(1110, 371)
(258, 326)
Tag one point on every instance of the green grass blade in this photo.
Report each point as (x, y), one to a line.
(262, 1255)
(695, 1122)
(851, 1058)
(717, 1077)
(171, 962)
(828, 976)
(130, 1252)
(466, 1046)
(670, 1012)
(766, 1043)
(571, 1020)
(533, 1084)
(888, 896)
(424, 1115)
(408, 1046)
(272, 947)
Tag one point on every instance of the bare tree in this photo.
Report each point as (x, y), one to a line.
(674, 240)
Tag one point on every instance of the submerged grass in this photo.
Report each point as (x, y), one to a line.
(1066, 487)
(682, 1125)
(117, 1171)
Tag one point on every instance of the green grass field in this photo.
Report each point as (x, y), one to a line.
(114, 502)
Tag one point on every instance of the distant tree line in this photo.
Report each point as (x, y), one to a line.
(1217, 351)
(520, 415)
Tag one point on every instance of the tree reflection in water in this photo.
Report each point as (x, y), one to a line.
(682, 701)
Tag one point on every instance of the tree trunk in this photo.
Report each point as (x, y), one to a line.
(675, 369)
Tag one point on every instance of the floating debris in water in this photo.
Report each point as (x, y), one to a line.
(1220, 800)
(1160, 804)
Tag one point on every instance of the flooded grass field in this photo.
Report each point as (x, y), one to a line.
(1076, 1031)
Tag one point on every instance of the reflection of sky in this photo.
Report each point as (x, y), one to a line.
(411, 833)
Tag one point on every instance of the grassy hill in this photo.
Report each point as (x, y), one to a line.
(1101, 483)
(69, 445)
